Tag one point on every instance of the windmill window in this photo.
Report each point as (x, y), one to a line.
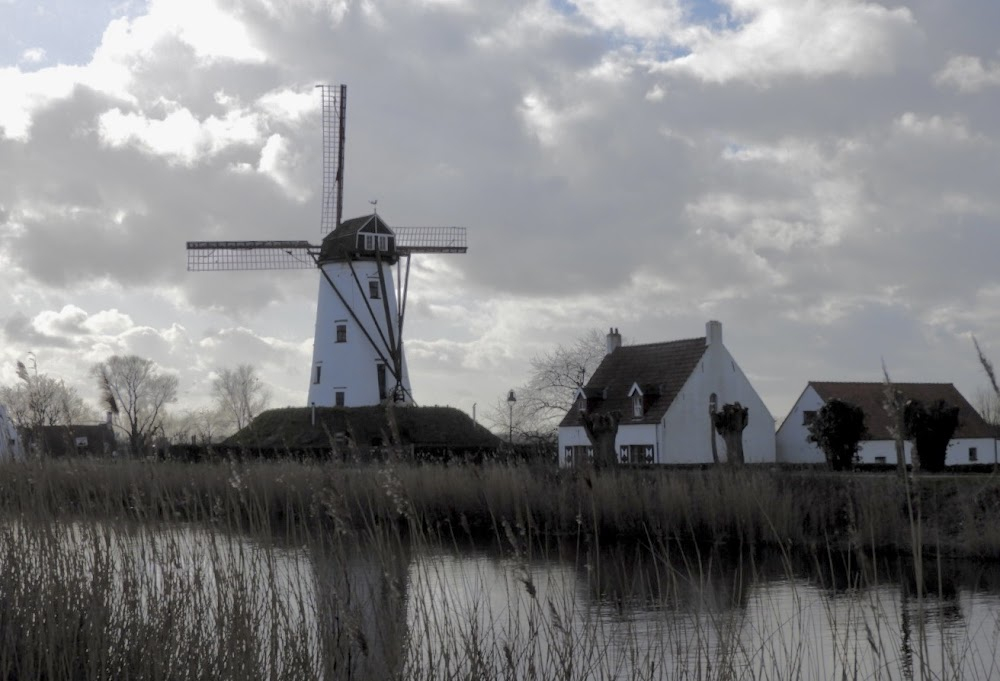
(379, 242)
(317, 372)
(381, 381)
(339, 398)
(373, 290)
(341, 334)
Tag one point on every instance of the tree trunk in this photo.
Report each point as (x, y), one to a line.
(731, 422)
(601, 430)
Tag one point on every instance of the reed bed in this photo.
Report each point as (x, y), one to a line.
(283, 570)
(761, 506)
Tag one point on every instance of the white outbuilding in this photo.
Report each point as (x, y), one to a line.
(974, 441)
(10, 443)
(666, 393)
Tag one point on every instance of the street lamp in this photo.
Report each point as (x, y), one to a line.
(510, 403)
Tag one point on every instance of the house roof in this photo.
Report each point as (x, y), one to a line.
(871, 398)
(293, 427)
(660, 369)
(341, 243)
(61, 440)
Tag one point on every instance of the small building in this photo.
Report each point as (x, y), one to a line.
(10, 442)
(86, 440)
(665, 393)
(974, 441)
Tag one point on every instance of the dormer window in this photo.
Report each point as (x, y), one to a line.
(637, 397)
(378, 242)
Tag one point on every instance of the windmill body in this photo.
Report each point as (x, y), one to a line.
(356, 348)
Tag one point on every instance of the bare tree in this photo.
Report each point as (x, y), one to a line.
(987, 403)
(195, 426)
(549, 392)
(556, 375)
(135, 391)
(41, 400)
(240, 395)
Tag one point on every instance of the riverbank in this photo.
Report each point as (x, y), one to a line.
(807, 509)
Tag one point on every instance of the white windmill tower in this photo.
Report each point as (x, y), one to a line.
(358, 355)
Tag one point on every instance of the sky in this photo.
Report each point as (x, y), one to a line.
(819, 175)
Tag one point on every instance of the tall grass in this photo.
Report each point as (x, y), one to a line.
(299, 571)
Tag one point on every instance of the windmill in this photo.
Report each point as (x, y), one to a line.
(358, 355)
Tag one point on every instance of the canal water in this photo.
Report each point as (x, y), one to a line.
(419, 609)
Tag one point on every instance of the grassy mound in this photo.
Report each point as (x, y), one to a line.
(420, 427)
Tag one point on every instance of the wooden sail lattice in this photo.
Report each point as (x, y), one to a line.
(210, 256)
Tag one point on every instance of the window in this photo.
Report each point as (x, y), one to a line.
(808, 417)
(373, 290)
(339, 398)
(341, 334)
(973, 454)
(379, 242)
(879, 459)
(317, 371)
(637, 406)
(578, 454)
(635, 453)
(381, 381)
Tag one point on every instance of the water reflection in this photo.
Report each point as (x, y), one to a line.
(682, 612)
(382, 606)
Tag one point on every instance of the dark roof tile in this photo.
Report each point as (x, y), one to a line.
(872, 396)
(664, 367)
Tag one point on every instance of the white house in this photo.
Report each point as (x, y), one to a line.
(973, 442)
(665, 392)
(10, 443)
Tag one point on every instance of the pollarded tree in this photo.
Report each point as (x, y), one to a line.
(931, 429)
(240, 395)
(838, 429)
(730, 422)
(135, 391)
(601, 429)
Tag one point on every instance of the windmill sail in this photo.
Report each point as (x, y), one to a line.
(334, 123)
(430, 240)
(210, 256)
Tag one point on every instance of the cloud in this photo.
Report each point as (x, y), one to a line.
(801, 170)
(814, 38)
(969, 74)
(33, 55)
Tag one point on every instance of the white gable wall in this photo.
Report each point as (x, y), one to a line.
(793, 447)
(686, 425)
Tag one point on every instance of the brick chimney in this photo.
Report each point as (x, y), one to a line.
(614, 340)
